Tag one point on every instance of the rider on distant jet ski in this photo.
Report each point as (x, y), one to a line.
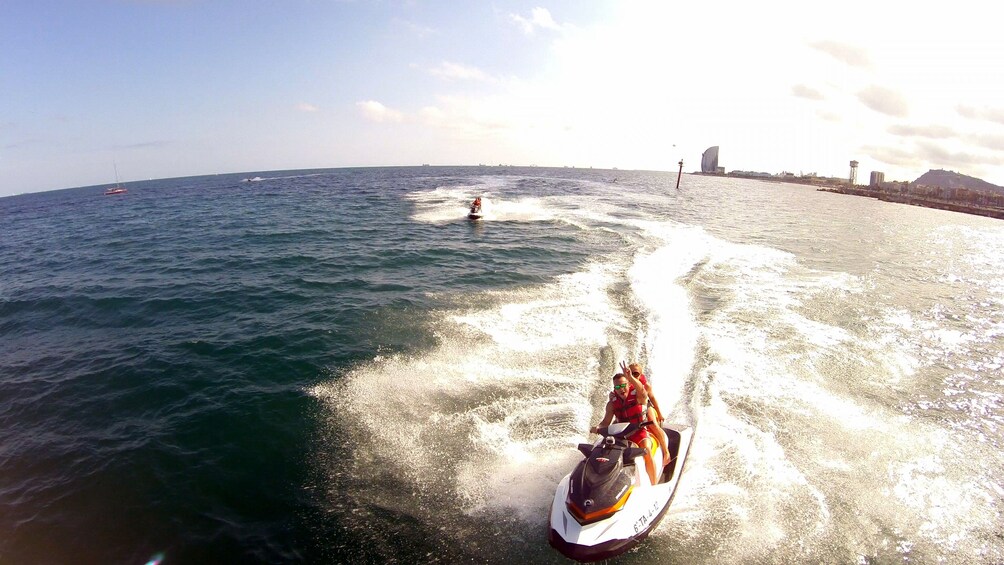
(476, 206)
(629, 404)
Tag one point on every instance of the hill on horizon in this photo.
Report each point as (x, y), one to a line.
(951, 179)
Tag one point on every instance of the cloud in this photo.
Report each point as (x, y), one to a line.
(995, 115)
(847, 54)
(163, 2)
(929, 155)
(22, 143)
(932, 132)
(539, 18)
(884, 101)
(829, 116)
(896, 156)
(936, 153)
(418, 30)
(305, 107)
(456, 71)
(802, 91)
(463, 116)
(142, 145)
(377, 112)
(989, 141)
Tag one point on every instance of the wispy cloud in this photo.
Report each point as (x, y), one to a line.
(829, 116)
(540, 18)
(802, 91)
(936, 153)
(885, 101)
(163, 2)
(377, 112)
(22, 143)
(989, 141)
(995, 115)
(418, 30)
(305, 107)
(141, 145)
(931, 132)
(928, 154)
(843, 52)
(467, 118)
(895, 156)
(456, 71)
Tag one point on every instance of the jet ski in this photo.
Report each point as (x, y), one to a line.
(608, 503)
(475, 213)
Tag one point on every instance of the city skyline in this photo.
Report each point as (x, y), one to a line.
(171, 88)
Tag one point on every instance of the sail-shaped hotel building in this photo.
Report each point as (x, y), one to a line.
(709, 162)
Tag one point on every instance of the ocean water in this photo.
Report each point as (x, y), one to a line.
(336, 366)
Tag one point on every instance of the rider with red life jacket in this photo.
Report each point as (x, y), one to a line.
(654, 412)
(628, 404)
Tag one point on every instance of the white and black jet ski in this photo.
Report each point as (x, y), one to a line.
(475, 213)
(608, 503)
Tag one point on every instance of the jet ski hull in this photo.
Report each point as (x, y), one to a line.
(632, 523)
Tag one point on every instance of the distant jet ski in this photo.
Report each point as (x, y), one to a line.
(608, 503)
(475, 213)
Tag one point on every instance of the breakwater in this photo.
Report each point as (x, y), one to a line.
(914, 200)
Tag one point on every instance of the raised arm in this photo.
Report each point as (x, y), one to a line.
(642, 393)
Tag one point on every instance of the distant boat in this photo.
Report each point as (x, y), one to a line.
(252, 179)
(118, 188)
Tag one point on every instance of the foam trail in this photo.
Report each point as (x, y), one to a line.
(670, 337)
(497, 407)
(451, 203)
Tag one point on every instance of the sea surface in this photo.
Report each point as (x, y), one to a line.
(336, 366)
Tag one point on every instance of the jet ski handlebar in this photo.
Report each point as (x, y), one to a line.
(620, 431)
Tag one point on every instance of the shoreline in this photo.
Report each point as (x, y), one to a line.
(912, 200)
(840, 187)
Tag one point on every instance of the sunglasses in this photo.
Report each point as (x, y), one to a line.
(620, 386)
(636, 373)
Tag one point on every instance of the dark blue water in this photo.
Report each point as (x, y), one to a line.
(157, 345)
(337, 366)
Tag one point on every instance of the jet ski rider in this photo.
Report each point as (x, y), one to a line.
(629, 404)
(476, 207)
(654, 413)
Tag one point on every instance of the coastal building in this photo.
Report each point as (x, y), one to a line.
(749, 174)
(854, 173)
(877, 178)
(709, 161)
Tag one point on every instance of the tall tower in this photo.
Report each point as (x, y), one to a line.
(854, 173)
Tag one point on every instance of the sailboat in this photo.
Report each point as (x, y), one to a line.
(118, 188)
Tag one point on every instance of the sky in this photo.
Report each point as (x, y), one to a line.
(148, 89)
